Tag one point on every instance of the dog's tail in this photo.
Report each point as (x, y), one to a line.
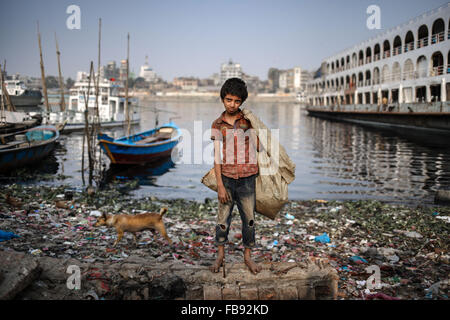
(162, 212)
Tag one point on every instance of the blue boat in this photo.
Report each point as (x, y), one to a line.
(26, 147)
(144, 147)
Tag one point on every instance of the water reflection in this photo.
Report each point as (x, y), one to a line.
(334, 160)
(146, 174)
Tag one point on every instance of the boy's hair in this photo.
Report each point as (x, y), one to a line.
(235, 87)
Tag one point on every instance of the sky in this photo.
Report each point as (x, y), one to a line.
(192, 37)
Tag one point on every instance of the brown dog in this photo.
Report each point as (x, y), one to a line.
(134, 223)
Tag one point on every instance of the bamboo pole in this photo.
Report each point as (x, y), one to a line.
(44, 85)
(2, 115)
(98, 75)
(61, 83)
(9, 105)
(126, 87)
(86, 125)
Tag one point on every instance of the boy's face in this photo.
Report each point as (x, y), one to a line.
(232, 104)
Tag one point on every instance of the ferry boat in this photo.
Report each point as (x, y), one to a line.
(399, 78)
(111, 106)
(21, 95)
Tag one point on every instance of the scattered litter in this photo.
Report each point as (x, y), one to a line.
(5, 235)
(323, 238)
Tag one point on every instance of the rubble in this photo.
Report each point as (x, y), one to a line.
(409, 245)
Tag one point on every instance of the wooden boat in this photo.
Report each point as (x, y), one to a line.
(26, 147)
(143, 147)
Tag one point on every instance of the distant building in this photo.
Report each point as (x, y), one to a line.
(186, 83)
(111, 71)
(123, 70)
(147, 72)
(230, 70)
(81, 75)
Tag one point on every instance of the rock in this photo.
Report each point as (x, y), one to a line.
(19, 271)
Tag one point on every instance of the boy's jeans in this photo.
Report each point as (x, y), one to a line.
(242, 192)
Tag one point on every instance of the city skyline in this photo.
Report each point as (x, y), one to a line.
(192, 38)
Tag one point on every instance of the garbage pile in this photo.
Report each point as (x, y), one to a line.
(381, 251)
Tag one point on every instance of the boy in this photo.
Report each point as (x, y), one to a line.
(237, 172)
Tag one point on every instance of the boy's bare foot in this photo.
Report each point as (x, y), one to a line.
(252, 266)
(216, 265)
(219, 261)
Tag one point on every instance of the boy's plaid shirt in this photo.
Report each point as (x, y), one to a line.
(239, 159)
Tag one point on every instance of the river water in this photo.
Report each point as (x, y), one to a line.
(334, 160)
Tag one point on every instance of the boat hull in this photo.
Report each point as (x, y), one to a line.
(120, 152)
(20, 157)
(430, 121)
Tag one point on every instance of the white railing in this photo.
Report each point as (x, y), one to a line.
(437, 37)
(386, 54)
(397, 51)
(422, 42)
(409, 46)
(437, 71)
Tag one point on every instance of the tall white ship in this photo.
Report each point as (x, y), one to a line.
(399, 78)
(111, 106)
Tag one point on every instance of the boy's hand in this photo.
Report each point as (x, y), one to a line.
(223, 194)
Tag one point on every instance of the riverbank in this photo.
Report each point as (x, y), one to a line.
(410, 246)
(212, 98)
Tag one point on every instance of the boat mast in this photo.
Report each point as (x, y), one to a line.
(9, 106)
(126, 87)
(2, 116)
(61, 84)
(98, 75)
(44, 85)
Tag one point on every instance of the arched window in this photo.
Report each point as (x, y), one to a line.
(347, 82)
(409, 41)
(360, 79)
(438, 31)
(422, 67)
(353, 82)
(361, 58)
(448, 62)
(368, 78)
(422, 36)
(397, 46)
(408, 70)
(438, 64)
(342, 63)
(386, 49)
(354, 60)
(332, 67)
(347, 65)
(376, 52)
(376, 76)
(368, 55)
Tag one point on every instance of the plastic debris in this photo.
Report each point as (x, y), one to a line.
(358, 259)
(5, 235)
(322, 238)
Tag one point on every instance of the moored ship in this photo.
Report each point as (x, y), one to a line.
(399, 78)
(21, 95)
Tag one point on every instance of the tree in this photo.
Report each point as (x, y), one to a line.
(51, 82)
(69, 83)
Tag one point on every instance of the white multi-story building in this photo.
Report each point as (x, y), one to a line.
(230, 70)
(405, 64)
(147, 72)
